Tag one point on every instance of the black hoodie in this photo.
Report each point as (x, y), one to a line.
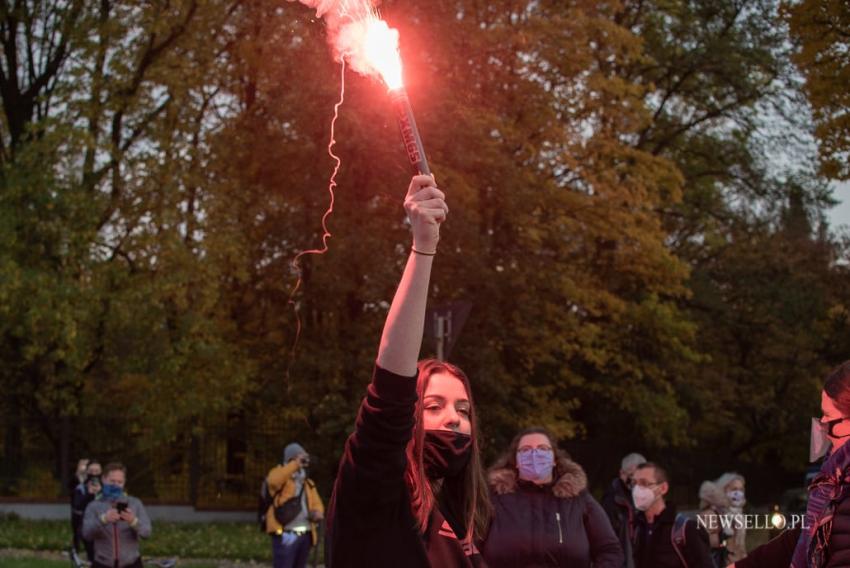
(370, 520)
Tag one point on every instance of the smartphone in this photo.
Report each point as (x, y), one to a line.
(121, 506)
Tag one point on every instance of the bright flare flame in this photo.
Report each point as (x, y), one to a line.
(380, 47)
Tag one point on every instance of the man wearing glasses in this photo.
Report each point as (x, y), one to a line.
(664, 539)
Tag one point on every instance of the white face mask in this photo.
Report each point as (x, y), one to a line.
(819, 442)
(736, 497)
(643, 497)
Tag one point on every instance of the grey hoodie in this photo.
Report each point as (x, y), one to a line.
(115, 540)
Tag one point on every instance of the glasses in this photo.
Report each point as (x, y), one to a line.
(528, 449)
(829, 426)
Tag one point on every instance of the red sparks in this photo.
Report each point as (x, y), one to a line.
(326, 234)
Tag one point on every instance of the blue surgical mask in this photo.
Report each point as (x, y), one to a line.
(111, 492)
(534, 465)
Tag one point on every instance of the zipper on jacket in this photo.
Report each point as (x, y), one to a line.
(116, 549)
(560, 532)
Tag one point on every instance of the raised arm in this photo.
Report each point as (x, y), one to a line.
(402, 337)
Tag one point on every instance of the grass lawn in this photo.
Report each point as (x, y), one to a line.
(23, 559)
(236, 541)
(33, 563)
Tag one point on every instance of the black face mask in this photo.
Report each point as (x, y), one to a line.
(445, 453)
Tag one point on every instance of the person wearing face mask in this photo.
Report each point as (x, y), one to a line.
(291, 542)
(84, 494)
(823, 540)
(115, 522)
(618, 505)
(79, 473)
(654, 545)
(410, 490)
(721, 506)
(543, 514)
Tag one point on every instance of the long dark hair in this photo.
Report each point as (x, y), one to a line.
(473, 494)
(837, 387)
(508, 459)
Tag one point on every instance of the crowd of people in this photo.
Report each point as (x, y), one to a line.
(411, 490)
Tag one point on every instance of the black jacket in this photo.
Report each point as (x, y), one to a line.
(617, 503)
(80, 499)
(838, 549)
(653, 547)
(780, 550)
(370, 520)
(776, 552)
(559, 524)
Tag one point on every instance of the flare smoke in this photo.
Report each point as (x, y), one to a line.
(359, 36)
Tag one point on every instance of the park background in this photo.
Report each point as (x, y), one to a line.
(640, 254)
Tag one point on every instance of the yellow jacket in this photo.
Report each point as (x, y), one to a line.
(281, 477)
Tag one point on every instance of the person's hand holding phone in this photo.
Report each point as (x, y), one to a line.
(128, 516)
(112, 516)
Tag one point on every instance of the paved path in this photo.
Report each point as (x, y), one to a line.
(172, 513)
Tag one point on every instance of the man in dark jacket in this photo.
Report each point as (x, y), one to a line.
(617, 502)
(654, 545)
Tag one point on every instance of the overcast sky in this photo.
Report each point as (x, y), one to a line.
(840, 214)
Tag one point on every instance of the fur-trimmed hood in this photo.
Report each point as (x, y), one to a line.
(571, 479)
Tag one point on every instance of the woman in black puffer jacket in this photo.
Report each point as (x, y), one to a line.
(543, 514)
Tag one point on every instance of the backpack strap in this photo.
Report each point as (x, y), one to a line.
(677, 537)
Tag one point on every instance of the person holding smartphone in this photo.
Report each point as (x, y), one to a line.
(115, 522)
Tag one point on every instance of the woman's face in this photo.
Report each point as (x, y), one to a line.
(735, 485)
(445, 405)
(830, 412)
(536, 441)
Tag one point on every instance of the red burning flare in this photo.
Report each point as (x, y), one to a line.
(363, 39)
(380, 48)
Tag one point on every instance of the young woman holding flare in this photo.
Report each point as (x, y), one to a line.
(410, 489)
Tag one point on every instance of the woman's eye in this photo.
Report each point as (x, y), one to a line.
(464, 411)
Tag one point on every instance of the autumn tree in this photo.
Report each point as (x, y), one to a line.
(106, 293)
(555, 235)
(633, 261)
(728, 111)
(821, 30)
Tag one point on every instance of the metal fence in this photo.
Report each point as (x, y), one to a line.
(215, 464)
